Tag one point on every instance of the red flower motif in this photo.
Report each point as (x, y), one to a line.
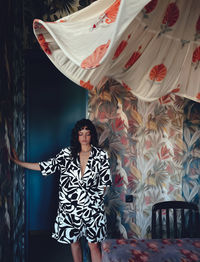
(194, 257)
(185, 252)
(158, 73)
(175, 90)
(153, 246)
(86, 85)
(164, 154)
(133, 58)
(119, 124)
(136, 252)
(93, 60)
(196, 55)
(120, 48)
(166, 241)
(124, 140)
(198, 96)
(198, 25)
(167, 98)
(171, 15)
(106, 247)
(44, 45)
(126, 160)
(150, 6)
(111, 12)
(121, 241)
(196, 244)
(118, 180)
(126, 86)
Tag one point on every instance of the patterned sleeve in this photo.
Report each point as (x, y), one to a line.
(104, 173)
(52, 166)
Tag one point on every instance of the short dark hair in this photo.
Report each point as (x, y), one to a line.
(75, 145)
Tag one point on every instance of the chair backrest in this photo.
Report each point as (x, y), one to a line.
(175, 219)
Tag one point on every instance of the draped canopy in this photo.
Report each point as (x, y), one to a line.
(151, 47)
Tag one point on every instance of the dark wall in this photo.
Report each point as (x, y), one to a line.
(54, 104)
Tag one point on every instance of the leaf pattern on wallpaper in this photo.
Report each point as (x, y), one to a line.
(145, 144)
(191, 157)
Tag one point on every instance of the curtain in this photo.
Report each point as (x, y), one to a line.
(151, 47)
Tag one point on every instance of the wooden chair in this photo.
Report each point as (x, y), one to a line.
(175, 219)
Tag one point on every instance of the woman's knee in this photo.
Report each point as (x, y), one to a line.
(75, 244)
(93, 246)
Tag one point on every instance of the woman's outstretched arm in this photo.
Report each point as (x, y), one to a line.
(28, 165)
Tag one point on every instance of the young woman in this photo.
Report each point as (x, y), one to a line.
(84, 174)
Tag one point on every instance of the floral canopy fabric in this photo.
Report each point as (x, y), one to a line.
(151, 47)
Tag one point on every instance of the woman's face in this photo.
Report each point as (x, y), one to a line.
(84, 136)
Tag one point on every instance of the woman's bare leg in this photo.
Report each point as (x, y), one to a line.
(95, 252)
(76, 252)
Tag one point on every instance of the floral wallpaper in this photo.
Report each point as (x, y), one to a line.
(154, 153)
(191, 147)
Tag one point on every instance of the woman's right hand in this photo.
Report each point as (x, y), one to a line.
(14, 156)
(28, 165)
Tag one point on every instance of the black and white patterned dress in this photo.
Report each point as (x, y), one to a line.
(81, 198)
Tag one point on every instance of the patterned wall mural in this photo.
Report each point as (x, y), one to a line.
(191, 157)
(154, 152)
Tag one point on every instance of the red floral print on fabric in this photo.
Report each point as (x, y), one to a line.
(196, 244)
(133, 58)
(37, 25)
(150, 6)
(139, 256)
(86, 85)
(111, 12)
(121, 47)
(198, 96)
(196, 55)
(126, 86)
(167, 98)
(197, 34)
(153, 246)
(158, 73)
(93, 60)
(121, 241)
(44, 45)
(198, 25)
(171, 15)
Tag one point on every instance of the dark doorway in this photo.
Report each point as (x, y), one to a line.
(53, 105)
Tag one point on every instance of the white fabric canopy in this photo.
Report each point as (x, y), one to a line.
(151, 47)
